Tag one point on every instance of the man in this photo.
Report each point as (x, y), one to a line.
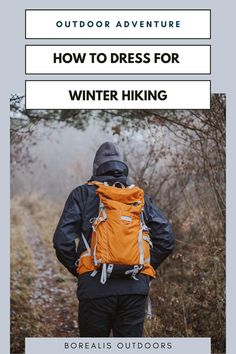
(119, 303)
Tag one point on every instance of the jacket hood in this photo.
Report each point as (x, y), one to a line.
(108, 162)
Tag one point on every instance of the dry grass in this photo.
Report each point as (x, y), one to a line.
(188, 296)
(42, 301)
(24, 317)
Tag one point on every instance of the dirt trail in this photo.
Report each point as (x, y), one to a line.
(52, 299)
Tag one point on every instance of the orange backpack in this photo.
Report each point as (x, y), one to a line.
(120, 237)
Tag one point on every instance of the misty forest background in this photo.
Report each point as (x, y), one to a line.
(178, 157)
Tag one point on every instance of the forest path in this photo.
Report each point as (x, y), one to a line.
(52, 293)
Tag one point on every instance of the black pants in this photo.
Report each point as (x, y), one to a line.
(123, 314)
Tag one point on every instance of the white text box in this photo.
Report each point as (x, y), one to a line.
(117, 94)
(43, 59)
(126, 24)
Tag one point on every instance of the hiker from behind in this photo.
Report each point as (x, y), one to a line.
(123, 239)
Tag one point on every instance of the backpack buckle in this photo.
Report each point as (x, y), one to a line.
(109, 270)
(133, 272)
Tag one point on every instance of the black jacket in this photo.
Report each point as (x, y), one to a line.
(81, 206)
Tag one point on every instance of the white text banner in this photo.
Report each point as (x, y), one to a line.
(63, 59)
(117, 94)
(127, 24)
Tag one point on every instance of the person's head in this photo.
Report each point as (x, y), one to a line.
(108, 162)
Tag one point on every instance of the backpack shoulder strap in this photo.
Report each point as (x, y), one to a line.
(97, 183)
